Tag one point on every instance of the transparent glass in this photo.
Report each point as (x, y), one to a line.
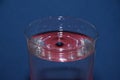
(61, 48)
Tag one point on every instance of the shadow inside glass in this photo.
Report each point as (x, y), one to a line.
(63, 73)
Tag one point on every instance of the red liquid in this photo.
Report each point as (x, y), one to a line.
(61, 46)
(61, 56)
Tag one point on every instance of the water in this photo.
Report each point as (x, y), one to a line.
(61, 56)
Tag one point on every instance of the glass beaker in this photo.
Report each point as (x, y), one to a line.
(61, 48)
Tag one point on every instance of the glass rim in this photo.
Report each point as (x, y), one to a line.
(59, 18)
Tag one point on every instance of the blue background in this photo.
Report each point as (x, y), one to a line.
(15, 15)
